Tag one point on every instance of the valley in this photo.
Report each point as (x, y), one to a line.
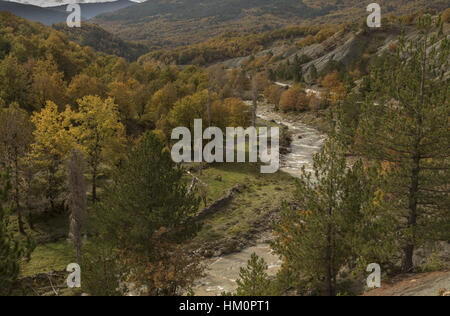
(88, 175)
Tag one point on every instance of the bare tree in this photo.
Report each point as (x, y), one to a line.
(77, 200)
(15, 139)
(255, 100)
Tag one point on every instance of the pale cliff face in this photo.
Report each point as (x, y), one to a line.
(54, 3)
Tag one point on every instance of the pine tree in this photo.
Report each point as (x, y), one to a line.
(335, 224)
(253, 279)
(11, 251)
(146, 214)
(297, 69)
(404, 125)
(313, 73)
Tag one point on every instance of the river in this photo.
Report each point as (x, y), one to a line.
(222, 272)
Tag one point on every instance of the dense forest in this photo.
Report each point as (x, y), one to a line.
(171, 24)
(86, 173)
(94, 36)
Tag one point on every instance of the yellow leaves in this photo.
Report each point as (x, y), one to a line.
(53, 138)
(378, 198)
(94, 128)
(189, 108)
(98, 129)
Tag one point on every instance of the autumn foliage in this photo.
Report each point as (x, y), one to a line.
(294, 99)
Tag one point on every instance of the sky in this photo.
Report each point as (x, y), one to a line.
(52, 3)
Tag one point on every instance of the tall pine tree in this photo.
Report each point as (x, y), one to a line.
(335, 223)
(147, 214)
(404, 124)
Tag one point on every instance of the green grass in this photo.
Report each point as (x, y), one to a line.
(264, 193)
(49, 257)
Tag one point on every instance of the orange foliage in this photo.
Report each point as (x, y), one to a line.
(294, 99)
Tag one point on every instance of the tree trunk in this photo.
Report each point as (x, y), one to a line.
(79, 251)
(209, 107)
(94, 186)
(255, 104)
(408, 264)
(16, 194)
(330, 278)
(52, 187)
(30, 219)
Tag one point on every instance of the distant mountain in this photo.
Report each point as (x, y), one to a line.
(172, 23)
(34, 13)
(57, 14)
(55, 3)
(94, 36)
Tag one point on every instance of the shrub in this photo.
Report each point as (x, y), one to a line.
(294, 99)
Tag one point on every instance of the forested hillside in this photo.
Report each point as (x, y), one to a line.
(163, 23)
(58, 13)
(94, 36)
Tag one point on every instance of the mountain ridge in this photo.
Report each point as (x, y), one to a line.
(166, 23)
(58, 14)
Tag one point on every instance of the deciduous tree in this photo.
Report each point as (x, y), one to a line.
(99, 132)
(53, 141)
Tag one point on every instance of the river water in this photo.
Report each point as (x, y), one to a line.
(222, 272)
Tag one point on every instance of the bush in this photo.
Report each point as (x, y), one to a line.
(294, 99)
